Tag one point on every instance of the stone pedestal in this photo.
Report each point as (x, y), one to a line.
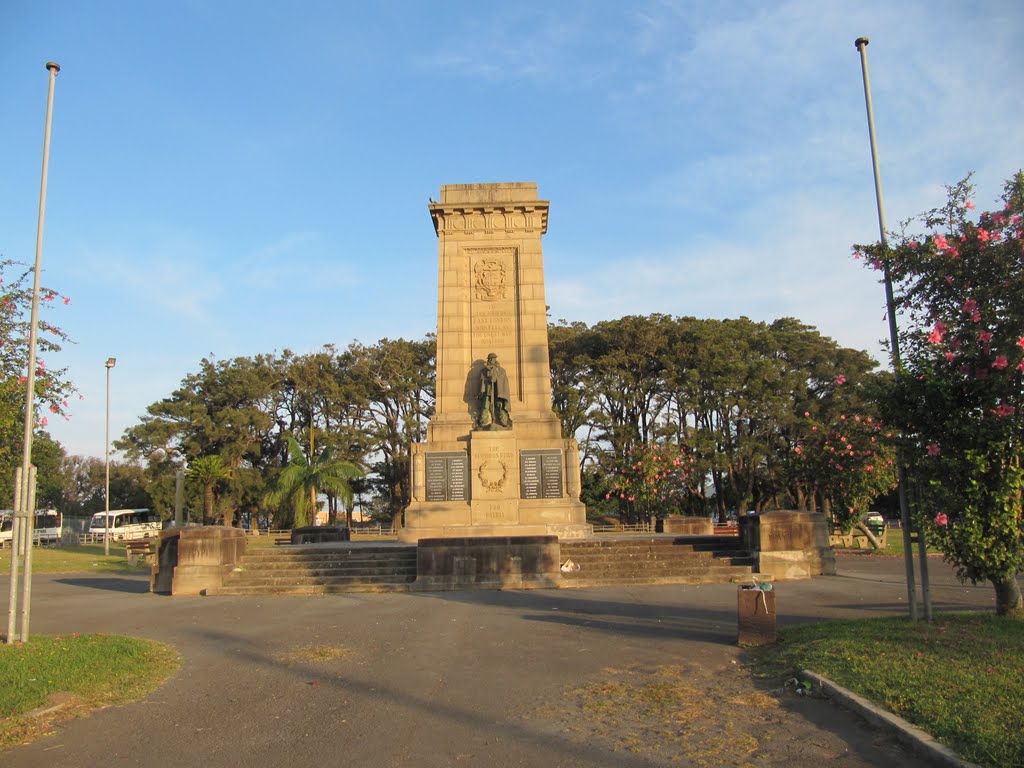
(688, 526)
(499, 562)
(191, 560)
(467, 479)
(789, 544)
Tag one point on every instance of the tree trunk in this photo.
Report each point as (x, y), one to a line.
(208, 504)
(863, 528)
(1008, 598)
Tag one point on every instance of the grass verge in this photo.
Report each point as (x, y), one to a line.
(81, 558)
(71, 675)
(960, 678)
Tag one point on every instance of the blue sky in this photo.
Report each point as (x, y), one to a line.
(231, 178)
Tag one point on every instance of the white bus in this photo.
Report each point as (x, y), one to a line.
(125, 524)
(46, 526)
(6, 526)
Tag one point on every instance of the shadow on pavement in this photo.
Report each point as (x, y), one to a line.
(406, 704)
(137, 586)
(651, 620)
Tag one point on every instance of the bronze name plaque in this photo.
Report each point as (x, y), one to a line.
(447, 475)
(540, 474)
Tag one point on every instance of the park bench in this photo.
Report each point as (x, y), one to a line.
(139, 550)
(282, 540)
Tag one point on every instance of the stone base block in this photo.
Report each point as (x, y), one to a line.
(789, 544)
(492, 562)
(319, 534)
(688, 526)
(191, 560)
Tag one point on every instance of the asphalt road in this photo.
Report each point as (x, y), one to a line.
(462, 678)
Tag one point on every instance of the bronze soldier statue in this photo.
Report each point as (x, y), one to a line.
(494, 395)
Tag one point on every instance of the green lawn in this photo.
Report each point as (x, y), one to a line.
(78, 672)
(960, 678)
(81, 558)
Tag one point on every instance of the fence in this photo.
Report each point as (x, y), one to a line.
(624, 528)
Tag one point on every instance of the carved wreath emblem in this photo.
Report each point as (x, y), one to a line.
(493, 474)
(490, 280)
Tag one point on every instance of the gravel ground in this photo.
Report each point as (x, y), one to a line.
(638, 676)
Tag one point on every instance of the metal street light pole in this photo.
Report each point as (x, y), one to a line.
(25, 498)
(111, 362)
(861, 44)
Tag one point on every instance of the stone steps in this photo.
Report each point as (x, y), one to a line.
(628, 560)
(320, 569)
(661, 560)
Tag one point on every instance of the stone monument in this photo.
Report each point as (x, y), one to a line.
(495, 462)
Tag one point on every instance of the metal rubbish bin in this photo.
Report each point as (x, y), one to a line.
(755, 614)
(875, 523)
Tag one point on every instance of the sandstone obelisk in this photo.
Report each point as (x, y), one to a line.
(477, 475)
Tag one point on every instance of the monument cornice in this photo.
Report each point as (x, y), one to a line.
(509, 217)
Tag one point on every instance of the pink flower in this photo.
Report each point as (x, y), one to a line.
(984, 336)
(941, 519)
(1000, 362)
(940, 242)
(984, 236)
(934, 449)
(970, 305)
(798, 450)
(950, 356)
(1004, 410)
(976, 316)
(1020, 365)
(840, 379)
(914, 245)
(43, 422)
(1020, 341)
(970, 205)
(937, 333)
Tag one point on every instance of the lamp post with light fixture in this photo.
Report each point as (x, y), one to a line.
(111, 362)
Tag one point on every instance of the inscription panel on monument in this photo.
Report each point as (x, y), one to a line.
(494, 292)
(447, 476)
(540, 474)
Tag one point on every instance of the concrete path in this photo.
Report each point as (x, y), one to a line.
(541, 678)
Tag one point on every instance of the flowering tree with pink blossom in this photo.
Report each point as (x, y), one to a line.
(657, 478)
(847, 463)
(52, 388)
(960, 397)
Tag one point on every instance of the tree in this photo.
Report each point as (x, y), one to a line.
(655, 478)
(959, 398)
(52, 389)
(396, 380)
(210, 472)
(303, 479)
(847, 463)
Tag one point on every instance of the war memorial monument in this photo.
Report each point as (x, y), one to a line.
(495, 462)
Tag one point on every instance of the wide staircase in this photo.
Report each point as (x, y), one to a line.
(322, 569)
(363, 567)
(655, 560)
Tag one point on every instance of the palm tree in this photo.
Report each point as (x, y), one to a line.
(210, 471)
(301, 480)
